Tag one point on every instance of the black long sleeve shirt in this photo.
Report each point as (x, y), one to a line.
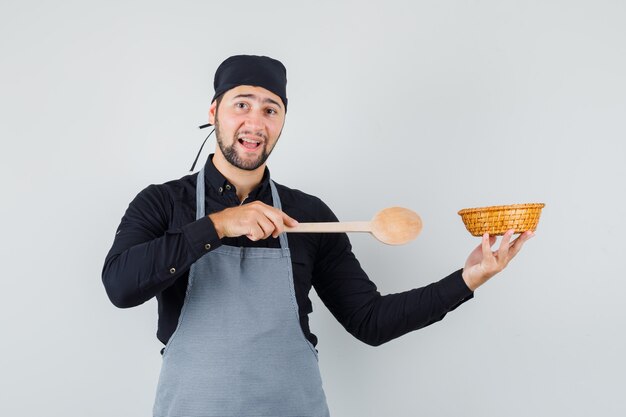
(159, 238)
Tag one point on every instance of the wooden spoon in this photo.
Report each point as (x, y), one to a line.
(393, 226)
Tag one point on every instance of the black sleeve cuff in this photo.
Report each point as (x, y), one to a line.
(454, 289)
(201, 236)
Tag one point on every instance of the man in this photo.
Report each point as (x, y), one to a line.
(232, 288)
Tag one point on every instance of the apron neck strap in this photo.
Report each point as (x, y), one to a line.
(200, 195)
(276, 200)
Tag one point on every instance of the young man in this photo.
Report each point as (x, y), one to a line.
(232, 288)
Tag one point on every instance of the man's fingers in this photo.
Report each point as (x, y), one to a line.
(289, 221)
(503, 250)
(517, 244)
(284, 220)
(256, 233)
(280, 220)
(486, 245)
(267, 226)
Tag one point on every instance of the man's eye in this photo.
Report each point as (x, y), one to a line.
(272, 111)
(240, 105)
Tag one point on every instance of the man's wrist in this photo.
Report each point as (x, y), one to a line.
(468, 281)
(216, 224)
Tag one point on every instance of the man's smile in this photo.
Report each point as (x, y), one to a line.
(250, 143)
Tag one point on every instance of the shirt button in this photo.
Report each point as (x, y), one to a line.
(228, 186)
(221, 190)
(207, 246)
(172, 270)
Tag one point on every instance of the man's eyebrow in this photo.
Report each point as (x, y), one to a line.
(267, 100)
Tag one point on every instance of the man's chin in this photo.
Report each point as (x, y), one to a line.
(248, 164)
(249, 167)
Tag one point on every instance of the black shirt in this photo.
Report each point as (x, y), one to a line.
(158, 239)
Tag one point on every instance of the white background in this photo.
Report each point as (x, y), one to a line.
(435, 106)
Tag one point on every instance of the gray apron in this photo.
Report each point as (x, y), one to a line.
(238, 349)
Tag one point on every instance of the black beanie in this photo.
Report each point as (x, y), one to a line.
(258, 71)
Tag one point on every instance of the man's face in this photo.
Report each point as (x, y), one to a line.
(248, 124)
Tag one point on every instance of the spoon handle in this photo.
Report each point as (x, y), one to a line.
(330, 227)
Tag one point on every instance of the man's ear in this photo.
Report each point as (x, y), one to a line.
(212, 110)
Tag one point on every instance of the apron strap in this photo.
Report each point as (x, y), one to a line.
(200, 195)
(284, 243)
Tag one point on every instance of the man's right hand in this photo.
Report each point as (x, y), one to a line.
(255, 220)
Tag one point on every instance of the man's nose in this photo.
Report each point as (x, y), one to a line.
(254, 120)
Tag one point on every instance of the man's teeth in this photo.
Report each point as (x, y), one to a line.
(250, 141)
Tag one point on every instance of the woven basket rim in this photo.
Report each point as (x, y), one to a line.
(505, 207)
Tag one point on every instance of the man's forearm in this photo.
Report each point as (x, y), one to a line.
(139, 272)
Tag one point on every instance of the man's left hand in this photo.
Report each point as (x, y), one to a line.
(483, 263)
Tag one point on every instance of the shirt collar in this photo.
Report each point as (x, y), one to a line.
(222, 186)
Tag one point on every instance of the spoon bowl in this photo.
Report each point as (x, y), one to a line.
(396, 225)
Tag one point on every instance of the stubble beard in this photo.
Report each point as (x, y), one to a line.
(231, 155)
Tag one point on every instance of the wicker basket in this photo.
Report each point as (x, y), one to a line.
(496, 220)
